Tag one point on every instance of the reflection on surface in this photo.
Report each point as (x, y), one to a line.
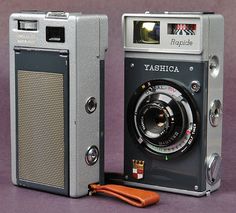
(147, 32)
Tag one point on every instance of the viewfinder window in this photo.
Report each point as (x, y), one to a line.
(55, 34)
(147, 32)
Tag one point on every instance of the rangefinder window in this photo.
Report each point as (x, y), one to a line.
(182, 29)
(147, 32)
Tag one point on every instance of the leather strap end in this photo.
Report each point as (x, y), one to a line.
(133, 196)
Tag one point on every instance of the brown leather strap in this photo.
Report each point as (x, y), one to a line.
(135, 197)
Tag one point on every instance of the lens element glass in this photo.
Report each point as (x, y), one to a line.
(154, 121)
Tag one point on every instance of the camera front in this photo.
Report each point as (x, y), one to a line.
(173, 101)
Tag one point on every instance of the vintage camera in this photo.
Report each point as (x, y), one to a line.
(57, 100)
(173, 101)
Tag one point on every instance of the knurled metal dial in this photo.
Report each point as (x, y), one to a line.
(213, 168)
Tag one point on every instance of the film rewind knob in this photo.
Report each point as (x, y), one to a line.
(91, 156)
(215, 113)
(213, 168)
(91, 105)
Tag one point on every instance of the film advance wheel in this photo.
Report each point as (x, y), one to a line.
(163, 118)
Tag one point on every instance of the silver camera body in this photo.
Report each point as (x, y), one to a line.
(57, 100)
(173, 101)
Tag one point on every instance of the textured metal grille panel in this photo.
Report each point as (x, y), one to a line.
(41, 127)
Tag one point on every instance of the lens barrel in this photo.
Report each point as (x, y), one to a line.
(163, 117)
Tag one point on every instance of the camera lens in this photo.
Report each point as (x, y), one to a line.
(163, 117)
(154, 121)
(160, 119)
